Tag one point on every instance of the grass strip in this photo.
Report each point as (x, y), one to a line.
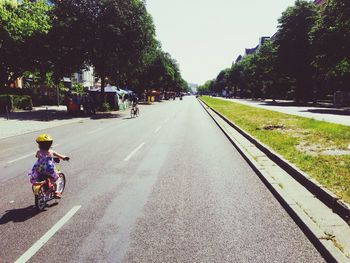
(318, 148)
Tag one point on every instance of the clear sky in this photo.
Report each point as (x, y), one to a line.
(206, 36)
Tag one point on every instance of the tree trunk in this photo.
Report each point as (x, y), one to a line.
(103, 84)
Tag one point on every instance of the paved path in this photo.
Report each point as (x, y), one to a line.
(164, 187)
(41, 118)
(333, 115)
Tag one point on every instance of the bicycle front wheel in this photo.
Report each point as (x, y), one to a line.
(61, 183)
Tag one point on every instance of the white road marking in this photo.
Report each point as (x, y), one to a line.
(133, 152)
(42, 241)
(158, 129)
(94, 131)
(26, 156)
(21, 158)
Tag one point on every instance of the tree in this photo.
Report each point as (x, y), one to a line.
(111, 35)
(20, 29)
(257, 75)
(221, 82)
(161, 72)
(206, 88)
(124, 34)
(331, 42)
(246, 74)
(294, 46)
(271, 81)
(236, 78)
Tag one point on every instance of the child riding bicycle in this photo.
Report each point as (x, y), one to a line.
(44, 167)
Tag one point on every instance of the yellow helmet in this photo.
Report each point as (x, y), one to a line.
(44, 138)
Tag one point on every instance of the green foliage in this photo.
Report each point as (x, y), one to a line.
(206, 88)
(294, 46)
(307, 59)
(331, 41)
(256, 75)
(105, 107)
(77, 88)
(161, 72)
(39, 79)
(116, 37)
(25, 20)
(22, 102)
(15, 102)
(222, 81)
(113, 36)
(20, 29)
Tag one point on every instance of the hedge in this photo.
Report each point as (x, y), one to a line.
(15, 102)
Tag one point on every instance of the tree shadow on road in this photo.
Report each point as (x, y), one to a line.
(38, 115)
(19, 215)
(107, 115)
(330, 111)
(295, 104)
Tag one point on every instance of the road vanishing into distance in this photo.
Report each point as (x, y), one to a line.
(164, 187)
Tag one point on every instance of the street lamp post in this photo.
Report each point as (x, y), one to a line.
(58, 95)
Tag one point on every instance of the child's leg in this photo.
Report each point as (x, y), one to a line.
(59, 185)
(56, 181)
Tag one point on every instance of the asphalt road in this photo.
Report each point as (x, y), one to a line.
(164, 187)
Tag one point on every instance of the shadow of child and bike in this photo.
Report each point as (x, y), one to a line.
(20, 215)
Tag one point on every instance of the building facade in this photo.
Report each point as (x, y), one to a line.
(85, 77)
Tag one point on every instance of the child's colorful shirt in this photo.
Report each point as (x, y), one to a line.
(43, 167)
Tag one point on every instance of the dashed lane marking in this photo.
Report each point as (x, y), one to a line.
(21, 158)
(158, 129)
(43, 240)
(26, 156)
(134, 152)
(94, 131)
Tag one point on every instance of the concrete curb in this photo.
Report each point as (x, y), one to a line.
(316, 234)
(327, 197)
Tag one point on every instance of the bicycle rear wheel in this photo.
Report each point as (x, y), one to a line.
(40, 199)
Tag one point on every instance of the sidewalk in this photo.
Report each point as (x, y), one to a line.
(322, 113)
(40, 118)
(45, 117)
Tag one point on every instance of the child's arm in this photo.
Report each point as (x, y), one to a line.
(63, 157)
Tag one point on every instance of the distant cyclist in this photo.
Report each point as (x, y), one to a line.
(134, 100)
(134, 105)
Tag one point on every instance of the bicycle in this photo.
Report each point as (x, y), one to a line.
(134, 111)
(45, 190)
